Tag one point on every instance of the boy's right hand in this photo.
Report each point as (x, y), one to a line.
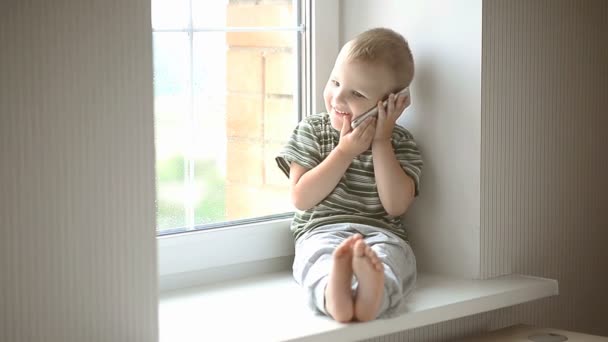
(353, 142)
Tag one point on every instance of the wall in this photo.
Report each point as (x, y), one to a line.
(77, 213)
(445, 38)
(544, 81)
(544, 160)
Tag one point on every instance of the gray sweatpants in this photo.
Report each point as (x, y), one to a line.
(313, 259)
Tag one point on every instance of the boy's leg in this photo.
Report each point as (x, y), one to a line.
(399, 274)
(322, 266)
(399, 267)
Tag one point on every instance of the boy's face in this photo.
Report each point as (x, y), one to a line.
(354, 87)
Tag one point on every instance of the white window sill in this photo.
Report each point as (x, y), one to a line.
(271, 308)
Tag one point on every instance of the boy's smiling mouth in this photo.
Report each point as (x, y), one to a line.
(339, 113)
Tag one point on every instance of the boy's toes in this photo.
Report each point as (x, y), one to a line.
(370, 254)
(375, 260)
(360, 248)
(344, 248)
(378, 266)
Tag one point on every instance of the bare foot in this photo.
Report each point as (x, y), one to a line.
(369, 271)
(338, 295)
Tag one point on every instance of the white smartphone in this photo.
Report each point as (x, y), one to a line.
(374, 110)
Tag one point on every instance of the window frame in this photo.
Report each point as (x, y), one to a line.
(196, 257)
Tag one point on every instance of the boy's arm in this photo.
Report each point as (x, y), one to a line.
(395, 188)
(308, 187)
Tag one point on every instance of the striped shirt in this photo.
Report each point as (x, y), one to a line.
(355, 198)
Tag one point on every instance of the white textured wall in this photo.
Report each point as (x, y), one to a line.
(445, 38)
(77, 213)
(543, 162)
(545, 154)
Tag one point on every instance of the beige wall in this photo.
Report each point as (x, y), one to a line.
(77, 212)
(261, 80)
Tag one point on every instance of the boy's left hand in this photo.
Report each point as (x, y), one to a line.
(387, 118)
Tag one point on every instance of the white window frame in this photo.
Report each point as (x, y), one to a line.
(199, 257)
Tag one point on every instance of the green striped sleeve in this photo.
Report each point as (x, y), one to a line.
(303, 148)
(408, 155)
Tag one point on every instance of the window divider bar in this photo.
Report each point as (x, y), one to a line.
(299, 28)
(189, 167)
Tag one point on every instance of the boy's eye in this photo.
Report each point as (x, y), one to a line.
(357, 94)
(336, 83)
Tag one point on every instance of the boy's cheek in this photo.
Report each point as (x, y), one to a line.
(326, 99)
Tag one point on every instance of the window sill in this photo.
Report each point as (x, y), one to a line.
(271, 307)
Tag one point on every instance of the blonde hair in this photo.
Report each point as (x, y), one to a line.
(382, 45)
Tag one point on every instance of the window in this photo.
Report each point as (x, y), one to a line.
(229, 85)
(208, 255)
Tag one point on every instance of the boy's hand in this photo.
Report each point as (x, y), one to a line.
(353, 142)
(388, 117)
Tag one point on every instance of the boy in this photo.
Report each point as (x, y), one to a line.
(351, 186)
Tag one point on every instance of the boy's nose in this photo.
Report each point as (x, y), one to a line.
(338, 99)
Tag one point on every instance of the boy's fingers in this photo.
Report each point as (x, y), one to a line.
(400, 101)
(404, 101)
(367, 122)
(391, 104)
(381, 112)
(345, 126)
(369, 130)
(399, 106)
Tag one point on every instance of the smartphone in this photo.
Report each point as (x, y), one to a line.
(374, 110)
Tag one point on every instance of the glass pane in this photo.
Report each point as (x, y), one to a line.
(244, 109)
(170, 193)
(171, 110)
(170, 14)
(209, 126)
(225, 103)
(207, 13)
(246, 13)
